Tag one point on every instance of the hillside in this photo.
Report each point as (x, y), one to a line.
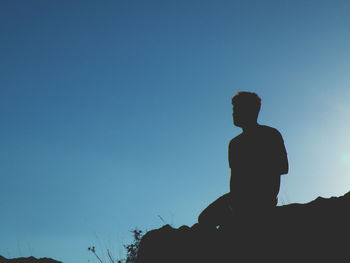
(28, 260)
(317, 231)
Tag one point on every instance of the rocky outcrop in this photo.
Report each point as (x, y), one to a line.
(28, 260)
(317, 231)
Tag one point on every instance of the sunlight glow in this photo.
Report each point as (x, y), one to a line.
(345, 158)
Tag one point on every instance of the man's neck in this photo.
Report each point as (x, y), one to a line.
(250, 127)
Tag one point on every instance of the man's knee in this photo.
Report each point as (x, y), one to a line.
(217, 212)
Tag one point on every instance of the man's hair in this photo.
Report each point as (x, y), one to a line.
(247, 99)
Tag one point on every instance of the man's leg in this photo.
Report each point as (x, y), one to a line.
(217, 213)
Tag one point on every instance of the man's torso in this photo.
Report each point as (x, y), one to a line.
(257, 159)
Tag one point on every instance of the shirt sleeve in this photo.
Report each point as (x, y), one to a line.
(232, 153)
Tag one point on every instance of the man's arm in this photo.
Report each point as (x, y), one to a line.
(281, 158)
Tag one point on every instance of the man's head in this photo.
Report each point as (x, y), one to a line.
(246, 107)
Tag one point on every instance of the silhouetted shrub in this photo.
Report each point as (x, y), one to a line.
(131, 250)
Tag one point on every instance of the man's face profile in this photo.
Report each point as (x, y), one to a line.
(243, 115)
(236, 114)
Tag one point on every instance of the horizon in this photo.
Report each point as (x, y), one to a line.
(117, 114)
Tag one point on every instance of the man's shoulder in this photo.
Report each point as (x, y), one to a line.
(264, 131)
(236, 139)
(269, 130)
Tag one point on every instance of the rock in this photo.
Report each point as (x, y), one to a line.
(312, 232)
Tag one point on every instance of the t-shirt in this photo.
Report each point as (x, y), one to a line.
(257, 158)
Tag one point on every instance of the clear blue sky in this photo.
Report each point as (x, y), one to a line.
(115, 112)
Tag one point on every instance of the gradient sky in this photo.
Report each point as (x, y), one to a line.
(117, 114)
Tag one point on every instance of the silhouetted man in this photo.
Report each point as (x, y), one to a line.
(257, 158)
